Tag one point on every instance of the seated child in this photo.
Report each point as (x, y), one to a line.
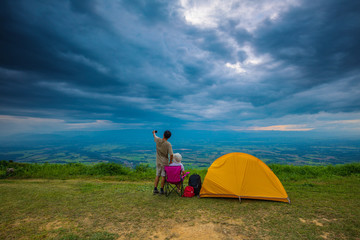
(177, 162)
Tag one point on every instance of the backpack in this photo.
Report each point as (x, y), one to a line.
(195, 182)
(188, 192)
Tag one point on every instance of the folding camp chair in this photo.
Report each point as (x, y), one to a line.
(173, 179)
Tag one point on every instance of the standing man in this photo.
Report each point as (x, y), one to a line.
(163, 149)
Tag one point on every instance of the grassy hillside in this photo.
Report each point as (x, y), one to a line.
(59, 202)
(144, 172)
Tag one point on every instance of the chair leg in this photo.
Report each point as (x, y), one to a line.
(167, 190)
(178, 190)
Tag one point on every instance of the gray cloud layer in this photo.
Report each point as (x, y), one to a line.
(193, 64)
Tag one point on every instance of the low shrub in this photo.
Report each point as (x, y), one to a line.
(142, 168)
(2, 173)
(290, 172)
(108, 169)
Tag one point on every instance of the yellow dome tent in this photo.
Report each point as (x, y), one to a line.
(240, 175)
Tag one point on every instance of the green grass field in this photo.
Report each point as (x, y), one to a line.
(94, 209)
(324, 205)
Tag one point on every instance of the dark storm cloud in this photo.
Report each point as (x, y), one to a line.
(321, 38)
(28, 44)
(144, 61)
(157, 11)
(321, 41)
(312, 44)
(212, 42)
(23, 95)
(38, 48)
(84, 6)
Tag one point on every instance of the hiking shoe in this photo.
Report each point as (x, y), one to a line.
(156, 191)
(162, 192)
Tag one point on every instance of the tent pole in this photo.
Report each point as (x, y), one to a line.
(289, 200)
(239, 199)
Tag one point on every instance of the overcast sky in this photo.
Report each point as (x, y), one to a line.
(211, 65)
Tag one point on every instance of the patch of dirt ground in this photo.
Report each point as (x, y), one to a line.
(320, 223)
(317, 222)
(202, 231)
